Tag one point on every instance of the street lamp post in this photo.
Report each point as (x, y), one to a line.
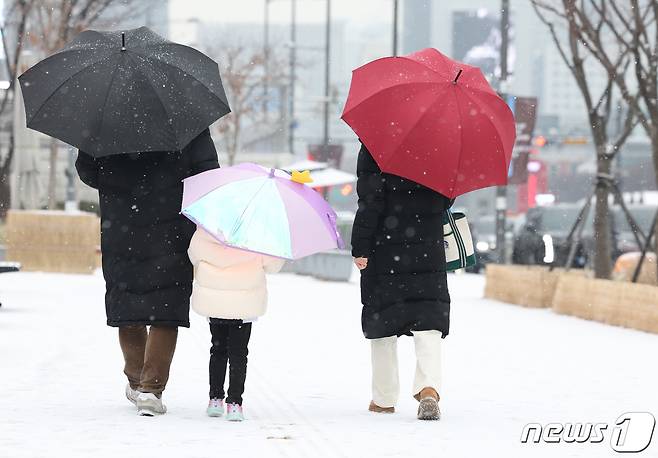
(293, 63)
(71, 202)
(395, 27)
(501, 191)
(327, 68)
(266, 59)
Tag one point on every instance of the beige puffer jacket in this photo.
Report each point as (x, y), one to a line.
(228, 283)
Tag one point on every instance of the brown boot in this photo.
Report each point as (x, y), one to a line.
(428, 407)
(375, 408)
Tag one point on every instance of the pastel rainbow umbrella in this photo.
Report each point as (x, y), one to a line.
(262, 210)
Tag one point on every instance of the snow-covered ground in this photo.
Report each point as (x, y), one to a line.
(61, 385)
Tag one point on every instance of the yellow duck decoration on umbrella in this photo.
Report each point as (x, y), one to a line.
(301, 177)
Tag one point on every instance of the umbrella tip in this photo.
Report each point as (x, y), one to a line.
(272, 172)
(457, 77)
(123, 41)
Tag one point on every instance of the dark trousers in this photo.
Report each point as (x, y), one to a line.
(229, 345)
(148, 356)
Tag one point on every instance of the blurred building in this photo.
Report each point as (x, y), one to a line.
(416, 25)
(468, 30)
(350, 47)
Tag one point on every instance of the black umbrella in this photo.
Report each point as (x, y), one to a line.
(114, 92)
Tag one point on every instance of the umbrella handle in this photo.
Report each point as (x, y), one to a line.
(123, 41)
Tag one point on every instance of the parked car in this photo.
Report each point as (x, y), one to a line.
(643, 215)
(483, 232)
(543, 238)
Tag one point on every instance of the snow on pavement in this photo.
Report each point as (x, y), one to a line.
(61, 385)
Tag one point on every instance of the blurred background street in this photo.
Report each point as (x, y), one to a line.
(287, 66)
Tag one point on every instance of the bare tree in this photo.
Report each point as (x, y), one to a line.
(634, 25)
(244, 74)
(55, 23)
(563, 19)
(14, 31)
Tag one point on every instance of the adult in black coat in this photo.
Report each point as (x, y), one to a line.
(399, 228)
(397, 243)
(144, 242)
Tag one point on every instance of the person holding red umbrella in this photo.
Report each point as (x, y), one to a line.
(431, 129)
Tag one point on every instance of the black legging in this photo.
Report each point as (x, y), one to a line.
(229, 345)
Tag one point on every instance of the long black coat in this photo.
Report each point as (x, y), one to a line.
(399, 228)
(144, 239)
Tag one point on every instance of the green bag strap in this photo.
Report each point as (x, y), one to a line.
(461, 247)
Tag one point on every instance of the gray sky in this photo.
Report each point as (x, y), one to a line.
(307, 10)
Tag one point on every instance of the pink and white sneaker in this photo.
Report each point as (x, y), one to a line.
(234, 412)
(215, 408)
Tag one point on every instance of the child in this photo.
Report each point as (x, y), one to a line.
(230, 289)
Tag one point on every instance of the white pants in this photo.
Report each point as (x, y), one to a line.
(385, 379)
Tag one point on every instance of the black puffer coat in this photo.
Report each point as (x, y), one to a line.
(144, 239)
(399, 228)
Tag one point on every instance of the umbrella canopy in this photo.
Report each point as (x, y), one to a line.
(433, 120)
(251, 208)
(113, 92)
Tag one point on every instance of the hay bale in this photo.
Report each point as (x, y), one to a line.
(629, 305)
(550, 279)
(521, 285)
(529, 286)
(53, 241)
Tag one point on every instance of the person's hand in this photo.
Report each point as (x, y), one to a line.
(361, 263)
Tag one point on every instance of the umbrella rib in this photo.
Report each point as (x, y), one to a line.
(422, 115)
(238, 222)
(157, 97)
(500, 143)
(378, 92)
(426, 67)
(474, 96)
(59, 53)
(446, 61)
(481, 91)
(461, 143)
(476, 93)
(52, 94)
(322, 214)
(502, 147)
(188, 74)
(107, 96)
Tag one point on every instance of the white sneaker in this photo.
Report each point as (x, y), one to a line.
(149, 405)
(131, 394)
(428, 409)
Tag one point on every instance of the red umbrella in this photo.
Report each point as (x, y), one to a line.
(433, 120)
